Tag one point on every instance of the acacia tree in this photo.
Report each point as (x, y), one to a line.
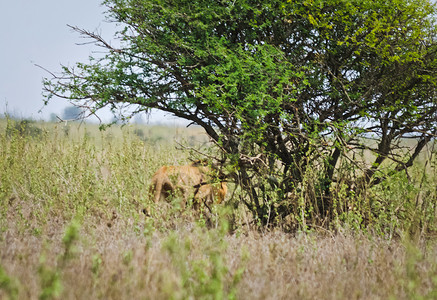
(282, 87)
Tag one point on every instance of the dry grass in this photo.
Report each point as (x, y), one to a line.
(122, 261)
(72, 227)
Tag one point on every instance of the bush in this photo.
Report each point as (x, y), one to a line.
(24, 128)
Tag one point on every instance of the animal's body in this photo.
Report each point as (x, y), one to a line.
(185, 182)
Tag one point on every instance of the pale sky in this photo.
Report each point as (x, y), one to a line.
(36, 32)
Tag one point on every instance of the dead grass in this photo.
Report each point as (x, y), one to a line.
(72, 227)
(126, 261)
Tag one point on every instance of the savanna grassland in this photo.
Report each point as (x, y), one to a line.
(72, 227)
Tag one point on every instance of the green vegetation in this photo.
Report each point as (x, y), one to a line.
(290, 91)
(319, 114)
(72, 226)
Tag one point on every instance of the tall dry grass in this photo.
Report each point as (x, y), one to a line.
(190, 262)
(72, 227)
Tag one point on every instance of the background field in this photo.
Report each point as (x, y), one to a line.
(72, 227)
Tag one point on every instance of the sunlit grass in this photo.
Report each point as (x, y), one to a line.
(72, 226)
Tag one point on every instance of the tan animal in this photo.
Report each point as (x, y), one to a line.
(185, 182)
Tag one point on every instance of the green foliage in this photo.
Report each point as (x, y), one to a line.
(96, 265)
(22, 128)
(411, 278)
(405, 204)
(206, 278)
(50, 281)
(8, 285)
(71, 235)
(282, 87)
(51, 275)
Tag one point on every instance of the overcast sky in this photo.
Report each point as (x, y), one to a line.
(36, 32)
